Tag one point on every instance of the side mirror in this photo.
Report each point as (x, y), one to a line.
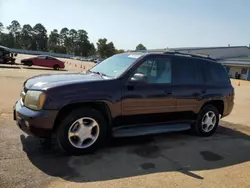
(138, 78)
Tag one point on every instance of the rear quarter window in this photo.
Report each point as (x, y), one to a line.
(218, 73)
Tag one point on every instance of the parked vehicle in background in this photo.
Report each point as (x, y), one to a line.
(91, 59)
(44, 61)
(83, 59)
(126, 95)
(99, 60)
(6, 57)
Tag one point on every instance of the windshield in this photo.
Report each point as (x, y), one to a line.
(115, 65)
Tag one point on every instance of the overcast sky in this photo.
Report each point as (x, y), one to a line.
(155, 23)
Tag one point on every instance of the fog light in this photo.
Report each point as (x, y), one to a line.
(27, 124)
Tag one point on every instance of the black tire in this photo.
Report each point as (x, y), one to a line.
(197, 127)
(27, 63)
(63, 128)
(56, 67)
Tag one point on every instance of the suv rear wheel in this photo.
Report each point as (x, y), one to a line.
(82, 131)
(207, 121)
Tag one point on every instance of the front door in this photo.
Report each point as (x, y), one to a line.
(152, 101)
(39, 60)
(50, 61)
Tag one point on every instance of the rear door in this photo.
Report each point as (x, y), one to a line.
(189, 88)
(217, 83)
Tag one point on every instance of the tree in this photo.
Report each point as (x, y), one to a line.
(7, 40)
(72, 39)
(1, 27)
(26, 37)
(105, 50)
(15, 28)
(140, 47)
(120, 51)
(110, 49)
(54, 41)
(83, 44)
(92, 50)
(40, 37)
(64, 35)
(75, 42)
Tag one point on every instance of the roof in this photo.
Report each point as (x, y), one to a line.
(207, 48)
(166, 52)
(198, 48)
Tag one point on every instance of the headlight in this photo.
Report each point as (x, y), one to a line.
(34, 100)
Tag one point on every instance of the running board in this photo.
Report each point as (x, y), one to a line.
(140, 130)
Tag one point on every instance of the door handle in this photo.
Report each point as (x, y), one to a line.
(130, 87)
(168, 93)
(203, 91)
(196, 94)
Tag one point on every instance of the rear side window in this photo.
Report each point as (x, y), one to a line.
(211, 73)
(200, 71)
(184, 73)
(41, 57)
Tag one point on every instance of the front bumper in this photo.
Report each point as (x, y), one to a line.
(36, 123)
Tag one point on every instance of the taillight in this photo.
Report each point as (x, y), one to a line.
(233, 93)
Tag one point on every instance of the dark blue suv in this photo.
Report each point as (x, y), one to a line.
(129, 94)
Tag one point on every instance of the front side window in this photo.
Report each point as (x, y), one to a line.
(41, 57)
(156, 70)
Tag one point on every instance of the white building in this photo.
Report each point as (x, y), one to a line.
(218, 52)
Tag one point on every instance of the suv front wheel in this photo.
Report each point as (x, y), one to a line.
(82, 131)
(207, 121)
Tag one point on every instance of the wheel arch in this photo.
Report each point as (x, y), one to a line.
(100, 106)
(56, 66)
(219, 104)
(27, 62)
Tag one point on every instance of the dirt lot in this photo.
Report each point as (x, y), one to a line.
(168, 160)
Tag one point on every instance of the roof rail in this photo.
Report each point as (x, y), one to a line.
(188, 54)
(174, 52)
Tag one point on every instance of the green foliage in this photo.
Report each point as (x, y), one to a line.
(26, 37)
(140, 47)
(1, 27)
(66, 41)
(120, 51)
(105, 49)
(15, 30)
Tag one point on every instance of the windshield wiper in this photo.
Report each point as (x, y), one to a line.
(99, 73)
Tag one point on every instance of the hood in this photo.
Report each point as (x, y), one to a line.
(46, 81)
